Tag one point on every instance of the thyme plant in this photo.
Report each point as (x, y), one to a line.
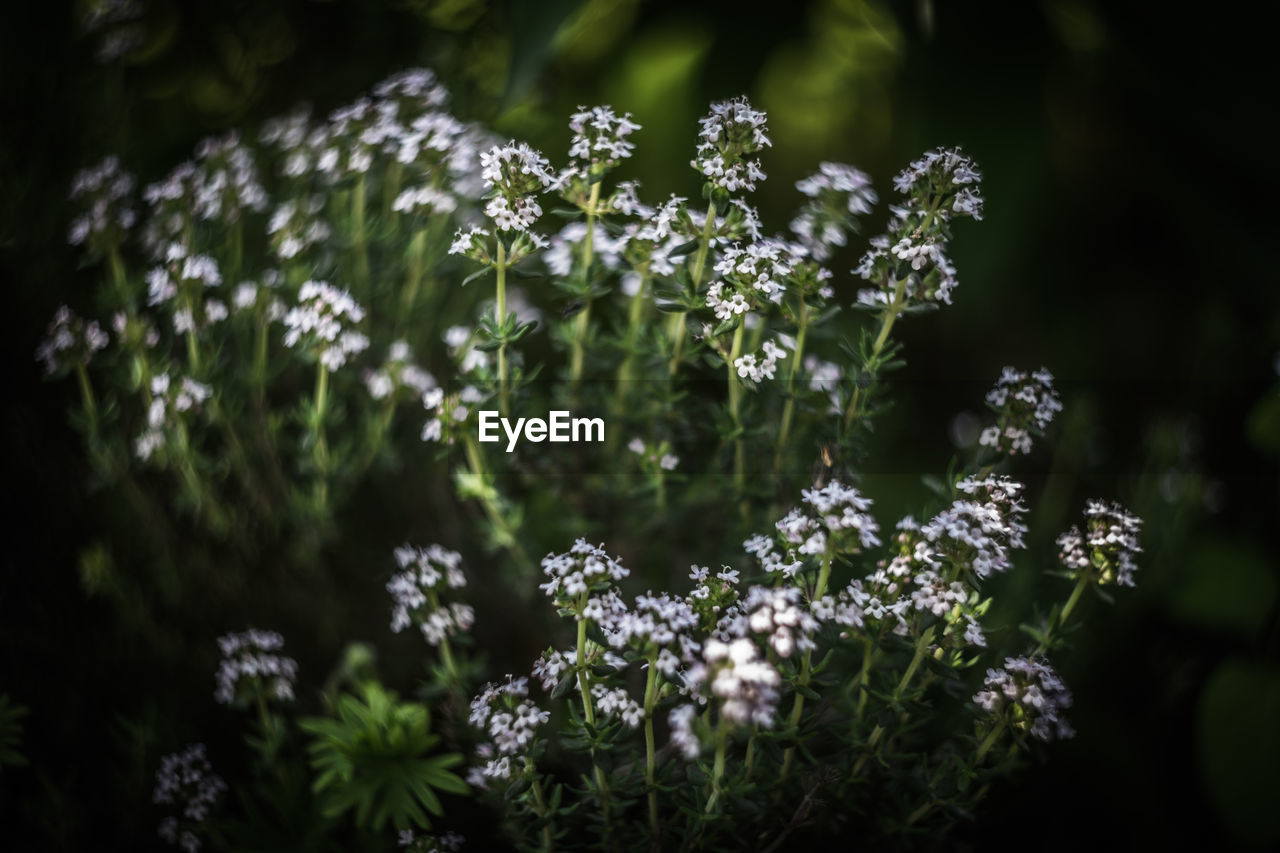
(818, 668)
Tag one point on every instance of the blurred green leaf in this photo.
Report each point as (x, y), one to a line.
(1224, 585)
(1238, 744)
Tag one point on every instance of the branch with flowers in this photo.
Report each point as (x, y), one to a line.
(826, 661)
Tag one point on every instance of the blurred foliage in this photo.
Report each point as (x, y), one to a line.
(1125, 236)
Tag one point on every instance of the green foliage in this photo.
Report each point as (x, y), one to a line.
(11, 733)
(374, 758)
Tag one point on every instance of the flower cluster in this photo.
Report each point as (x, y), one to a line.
(450, 842)
(752, 275)
(1108, 547)
(1028, 695)
(447, 414)
(252, 666)
(778, 614)
(1025, 403)
(908, 264)
(320, 323)
(170, 399)
(758, 369)
(600, 137)
(415, 593)
(977, 535)
(836, 517)
(730, 133)
(186, 780)
(745, 685)
(656, 455)
(838, 194)
(585, 567)
(510, 719)
(228, 183)
(514, 173)
(653, 627)
(398, 373)
(70, 342)
(103, 193)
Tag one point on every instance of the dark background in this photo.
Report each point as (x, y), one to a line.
(1128, 246)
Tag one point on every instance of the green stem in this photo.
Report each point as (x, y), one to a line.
(650, 764)
(588, 708)
(888, 318)
(413, 280)
(540, 804)
(989, 741)
(584, 316)
(359, 241)
(321, 444)
(1061, 621)
(735, 404)
(824, 575)
(922, 645)
(788, 409)
(634, 314)
(493, 510)
(699, 265)
(863, 677)
(500, 321)
(446, 651)
(87, 398)
(118, 277)
(722, 739)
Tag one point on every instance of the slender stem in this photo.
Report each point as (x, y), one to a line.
(788, 409)
(493, 510)
(446, 651)
(735, 404)
(321, 444)
(722, 739)
(587, 707)
(540, 804)
(824, 575)
(413, 280)
(584, 316)
(634, 315)
(650, 701)
(118, 277)
(989, 741)
(887, 319)
(358, 234)
(500, 321)
(87, 398)
(699, 264)
(1060, 622)
(863, 677)
(921, 646)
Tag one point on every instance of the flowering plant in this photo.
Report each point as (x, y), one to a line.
(833, 658)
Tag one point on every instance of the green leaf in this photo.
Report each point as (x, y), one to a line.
(475, 275)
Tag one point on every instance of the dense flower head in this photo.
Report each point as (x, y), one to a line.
(419, 86)
(758, 270)
(186, 780)
(1027, 694)
(510, 720)
(252, 665)
(976, 536)
(1025, 403)
(398, 373)
(227, 183)
(930, 277)
(947, 175)
(730, 132)
(447, 414)
(103, 193)
(616, 702)
(745, 685)
(713, 595)
(583, 567)
(1108, 546)
(600, 136)
(834, 516)
(416, 589)
(296, 226)
(70, 341)
(321, 322)
(654, 623)
(513, 173)
(171, 399)
(838, 194)
(757, 369)
(776, 614)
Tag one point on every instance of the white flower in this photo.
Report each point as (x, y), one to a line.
(600, 136)
(253, 657)
(1107, 548)
(728, 133)
(1034, 688)
(319, 323)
